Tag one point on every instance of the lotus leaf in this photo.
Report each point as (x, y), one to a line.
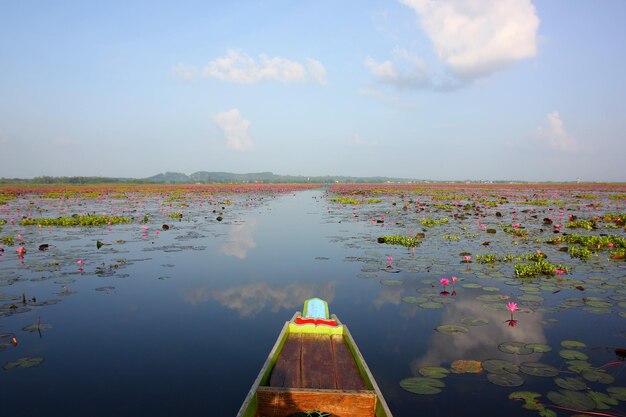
(538, 347)
(505, 379)
(499, 366)
(619, 393)
(572, 399)
(599, 304)
(36, 327)
(466, 367)
(391, 282)
(603, 401)
(431, 304)
(579, 366)
(516, 348)
(451, 329)
(8, 297)
(433, 372)
(529, 398)
(597, 310)
(474, 321)
(414, 300)
(492, 297)
(491, 289)
(573, 354)
(572, 384)
(573, 344)
(105, 289)
(421, 385)
(25, 362)
(472, 285)
(596, 375)
(538, 369)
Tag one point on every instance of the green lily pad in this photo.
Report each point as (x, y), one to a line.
(433, 372)
(619, 393)
(431, 304)
(573, 354)
(505, 379)
(499, 366)
(515, 348)
(25, 362)
(538, 347)
(474, 321)
(492, 297)
(538, 369)
(530, 399)
(495, 306)
(414, 300)
(422, 385)
(391, 282)
(572, 399)
(596, 375)
(603, 401)
(573, 344)
(579, 366)
(572, 384)
(472, 285)
(36, 327)
(491, 289)
(599, 304)
(451, 329)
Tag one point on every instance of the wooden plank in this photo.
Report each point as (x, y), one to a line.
(286, 372)
(346, 370)
(318, 370)
(280, 402)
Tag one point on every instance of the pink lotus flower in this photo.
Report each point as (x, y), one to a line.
(21, 250)
(559, 272)
(516, 225)
(454, 279)
(444, 281)
(512, 306)
(468, 258)
(79, 262)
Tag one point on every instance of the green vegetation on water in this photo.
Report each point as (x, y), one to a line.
(75, 221)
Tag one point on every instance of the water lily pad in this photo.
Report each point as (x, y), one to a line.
(579, 366)
(391, 282)
(25, 362)
(433, 372)
(599, 304)
(572, 384)
(505, 379)
(572, 399)
(603, 401)
(573, 344)
(499, 366)
(515, 348)
(619, 393)
(451, 329)
(36, 327)
(414, 300)
(462, 366)
(422, 385)
(474, 321)
(538, 347)
(105, 289)
(538, 369)
(597, 375)
(573, 354)
(495, 306)
(431, 304)
(530, 399)
(471, 285)
(491, 289)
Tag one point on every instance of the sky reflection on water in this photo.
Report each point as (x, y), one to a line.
(193, 311)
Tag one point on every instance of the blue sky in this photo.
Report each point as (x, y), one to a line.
(427, 89)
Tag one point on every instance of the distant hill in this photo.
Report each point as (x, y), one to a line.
(265, 177)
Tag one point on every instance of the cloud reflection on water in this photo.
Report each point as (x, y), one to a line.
(240, 240)
(252, 298)
(481, 342)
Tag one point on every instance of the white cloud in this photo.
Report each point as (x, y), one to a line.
(478, 37)
(239, 67)
(235, 129)
(553, 133)
(184, 71)
(408, 70)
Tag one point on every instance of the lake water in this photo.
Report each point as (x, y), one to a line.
(180, 322)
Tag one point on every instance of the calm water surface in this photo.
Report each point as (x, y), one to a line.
(180, 322)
